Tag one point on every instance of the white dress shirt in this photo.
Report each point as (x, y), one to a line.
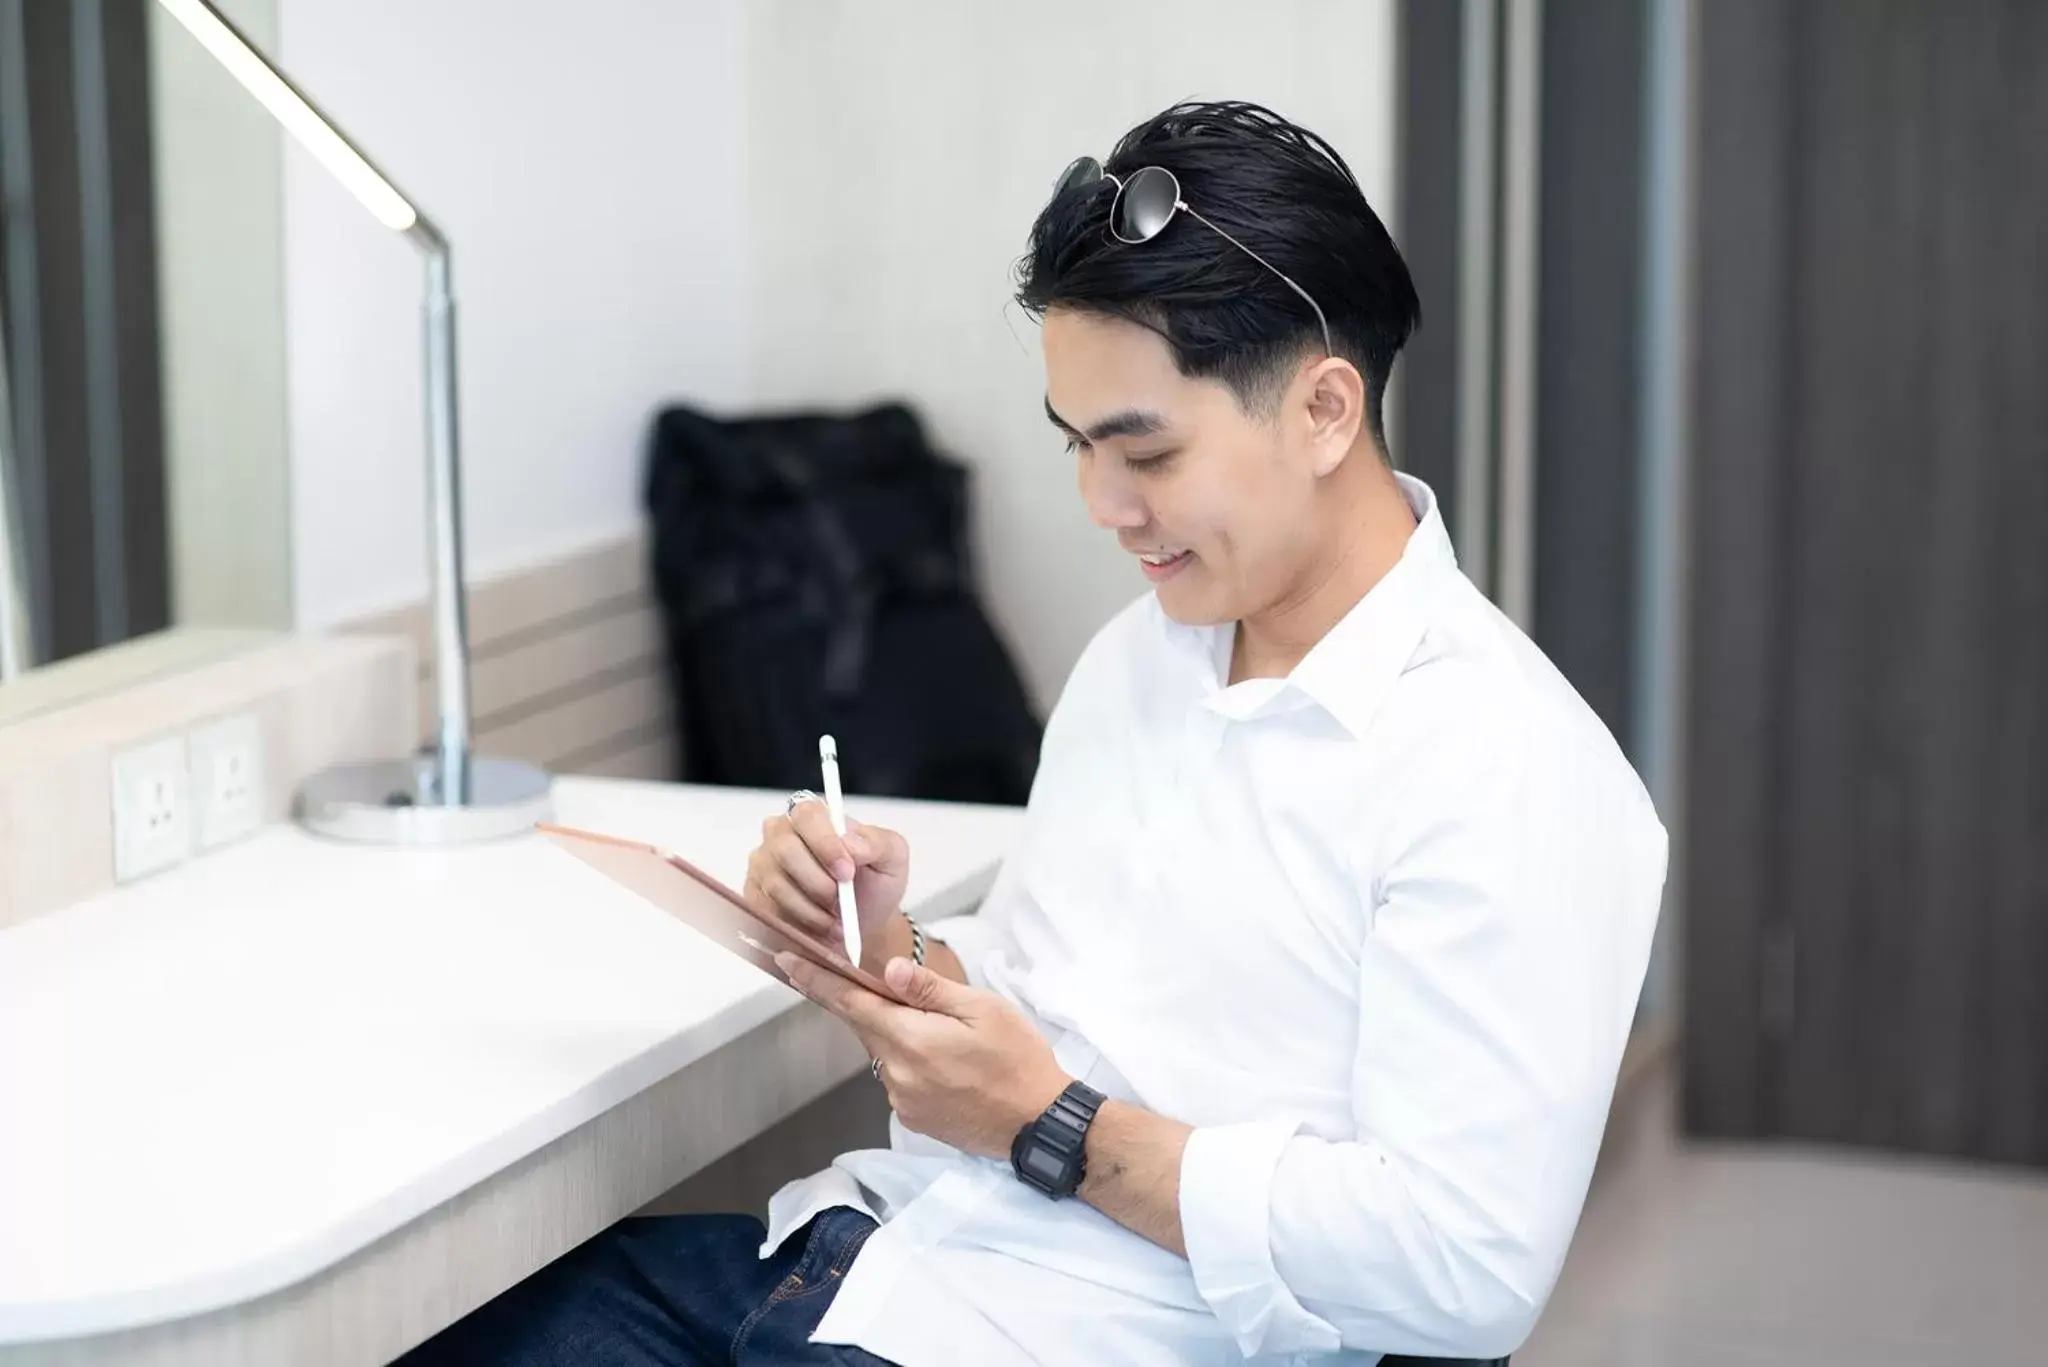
(1375, 930)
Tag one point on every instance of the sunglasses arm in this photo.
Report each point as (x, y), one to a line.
(1321, 321)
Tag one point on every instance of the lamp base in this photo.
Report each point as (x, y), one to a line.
(398, 802)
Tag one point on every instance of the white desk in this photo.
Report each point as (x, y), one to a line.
(304, 1102)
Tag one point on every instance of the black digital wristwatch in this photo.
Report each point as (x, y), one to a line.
(1048, 1154)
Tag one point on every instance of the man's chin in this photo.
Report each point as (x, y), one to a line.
(1188, 608)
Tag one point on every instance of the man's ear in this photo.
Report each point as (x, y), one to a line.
(1335, 403)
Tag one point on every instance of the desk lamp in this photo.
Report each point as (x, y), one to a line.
(445, 795)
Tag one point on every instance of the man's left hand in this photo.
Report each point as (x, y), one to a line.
(961, 1064)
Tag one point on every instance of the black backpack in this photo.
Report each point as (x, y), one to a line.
(813, 577)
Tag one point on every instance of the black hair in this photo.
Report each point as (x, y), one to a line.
(1277, 188)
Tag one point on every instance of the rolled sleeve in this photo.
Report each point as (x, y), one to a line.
(1226, 1195)
(977, 938)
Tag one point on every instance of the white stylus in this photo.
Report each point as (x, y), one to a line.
(835, 803)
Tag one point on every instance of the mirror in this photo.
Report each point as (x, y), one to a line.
(144, 506)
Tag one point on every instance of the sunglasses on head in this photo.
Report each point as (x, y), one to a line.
(1147, 202)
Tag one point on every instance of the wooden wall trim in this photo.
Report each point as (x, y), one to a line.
(567, 665)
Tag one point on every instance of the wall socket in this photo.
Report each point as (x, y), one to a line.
(227, 780)
(152, 808)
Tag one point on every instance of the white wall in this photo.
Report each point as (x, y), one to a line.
(585, 161)
(220, 299)
(781, 201)
(896, 155)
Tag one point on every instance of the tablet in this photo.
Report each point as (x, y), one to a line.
(708, 906)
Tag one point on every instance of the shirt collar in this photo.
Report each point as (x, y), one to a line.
(1349, 671)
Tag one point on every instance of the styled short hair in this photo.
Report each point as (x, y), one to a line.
(1283, 192)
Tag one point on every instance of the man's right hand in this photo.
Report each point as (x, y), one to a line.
(796, 868)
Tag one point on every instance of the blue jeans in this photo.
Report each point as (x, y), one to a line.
(675, 1291)
(680, 1291)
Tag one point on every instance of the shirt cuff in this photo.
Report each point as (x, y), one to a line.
(1226, 1198)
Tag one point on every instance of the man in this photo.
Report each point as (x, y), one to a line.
(1291, 1026)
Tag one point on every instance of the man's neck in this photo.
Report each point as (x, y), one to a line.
(1368, 533)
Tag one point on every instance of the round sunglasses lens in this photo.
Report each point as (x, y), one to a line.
(1080, 174)
(1146, 204)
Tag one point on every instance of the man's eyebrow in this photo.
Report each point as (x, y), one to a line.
(1131, 422)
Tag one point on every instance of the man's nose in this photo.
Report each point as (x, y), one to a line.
(1112, 504)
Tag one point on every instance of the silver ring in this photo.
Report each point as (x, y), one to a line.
(875, 1069)
(798, 799)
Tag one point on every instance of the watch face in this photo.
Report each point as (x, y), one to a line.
(1043, 1164)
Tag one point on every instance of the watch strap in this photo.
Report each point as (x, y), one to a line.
(1050, 1154)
